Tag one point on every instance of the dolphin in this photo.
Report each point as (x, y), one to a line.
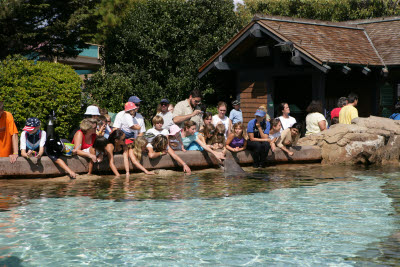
(231, 167)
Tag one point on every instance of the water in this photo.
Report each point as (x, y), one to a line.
(298, 215)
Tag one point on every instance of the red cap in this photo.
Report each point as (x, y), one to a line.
(130, 106)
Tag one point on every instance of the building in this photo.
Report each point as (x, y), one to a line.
(279, 59)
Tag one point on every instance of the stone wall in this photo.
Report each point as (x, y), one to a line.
(373, 140)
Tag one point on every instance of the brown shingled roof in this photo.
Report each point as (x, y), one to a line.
(385, 35)
(374, 42)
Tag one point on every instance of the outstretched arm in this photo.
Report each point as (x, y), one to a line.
(137, 163)
(186, 168)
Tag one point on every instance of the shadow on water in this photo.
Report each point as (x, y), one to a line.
(11, 262)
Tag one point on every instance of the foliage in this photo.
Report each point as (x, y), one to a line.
(158, 48)
(330, 10)
(32, 89)
(53, 28)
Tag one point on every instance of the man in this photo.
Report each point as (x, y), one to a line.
(236, 113)
(8, 135)
(165, 114)
(127, 123)
(349, 112)
(139, 118)
(189, 109)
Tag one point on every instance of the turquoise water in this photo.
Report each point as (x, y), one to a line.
(335, 222)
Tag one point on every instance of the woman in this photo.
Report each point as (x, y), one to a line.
(315, 121)
(159, 147)
(84, 139)
(207, 119)
(221, 118)
(286, 120)
(191, 141)
(259, 142)
(289, 137)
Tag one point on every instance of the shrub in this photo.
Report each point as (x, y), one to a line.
(34, 89)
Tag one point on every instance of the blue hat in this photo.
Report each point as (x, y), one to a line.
(260, 113)
(134, 99)
(164, 100)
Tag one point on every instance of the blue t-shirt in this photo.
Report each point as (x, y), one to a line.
(189, 142)
(236, 116)
(251, 127)
(395, 116)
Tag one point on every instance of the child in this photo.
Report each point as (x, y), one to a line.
(218, 140)
(289, 137)
(275, 132)
(32, 139)
(206, 134)
(236, 141)
(99, 149)
(159, 147)
(236, 113)
(135, 153)
(157, 129)
(175, 138)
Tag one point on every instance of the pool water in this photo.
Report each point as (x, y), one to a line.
(302, 215)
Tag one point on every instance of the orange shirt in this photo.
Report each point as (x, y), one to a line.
(7, 130)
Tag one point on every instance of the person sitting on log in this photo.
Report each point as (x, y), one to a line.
(192, 142)
(218, 140)
(275, 132)
(237, 140)
(206, 134)
(84, 139)
(175, 138)
(159, 147)
(258, 144)
(289, 137)
(32, 139)
(135, 151)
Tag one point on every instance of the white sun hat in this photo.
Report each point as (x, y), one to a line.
(92, 110)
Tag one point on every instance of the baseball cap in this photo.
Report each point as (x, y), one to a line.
(236, 102)
(164, 100)
(260, 113)
(31, 124)
(134, 99)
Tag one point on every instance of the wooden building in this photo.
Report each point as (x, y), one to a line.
(279, 59)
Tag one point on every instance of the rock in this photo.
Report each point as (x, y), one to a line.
(372, 140)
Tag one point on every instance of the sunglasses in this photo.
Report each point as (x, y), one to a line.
(220, 133)
(108, 121)
(164, 104)
(197, 101)
(212, 132)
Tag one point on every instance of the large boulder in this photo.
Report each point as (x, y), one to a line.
(373, 140)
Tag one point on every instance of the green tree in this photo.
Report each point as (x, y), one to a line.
(329, 10)
(52, 28)
(32, 89)
(158, 48)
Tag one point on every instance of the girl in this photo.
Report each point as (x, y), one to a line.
(135, 153)
(192, 142)
(207, 119)
(220, 118)
(32, 139)
(275, 132)
(218, 139)
(237, 140)
(286, 120)
(289, 137)
(99, 149)
(159, 147)
(84, 138)
(175, 138)
(206, 134)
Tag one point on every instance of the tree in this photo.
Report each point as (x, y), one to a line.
(52, 28)
(159, 47)
(330, 10)
(32, 89)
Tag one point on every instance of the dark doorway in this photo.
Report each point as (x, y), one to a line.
(296, 91)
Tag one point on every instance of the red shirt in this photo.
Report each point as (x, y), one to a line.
(84, 144)
(335, 112)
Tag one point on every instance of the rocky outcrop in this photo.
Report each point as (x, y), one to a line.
(373, 140)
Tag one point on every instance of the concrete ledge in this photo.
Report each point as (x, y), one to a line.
(29, 168)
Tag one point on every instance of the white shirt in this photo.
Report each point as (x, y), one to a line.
(275, 135)
(167, 117)
(312, 121)
(287, 122)
(139, 118)
(127, 121)
(156, 132)
(118, 119)
(225, 121)
(22, 144)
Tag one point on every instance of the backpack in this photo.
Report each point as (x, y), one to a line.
(54, 146)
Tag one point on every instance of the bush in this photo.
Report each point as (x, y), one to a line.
(34, 89)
